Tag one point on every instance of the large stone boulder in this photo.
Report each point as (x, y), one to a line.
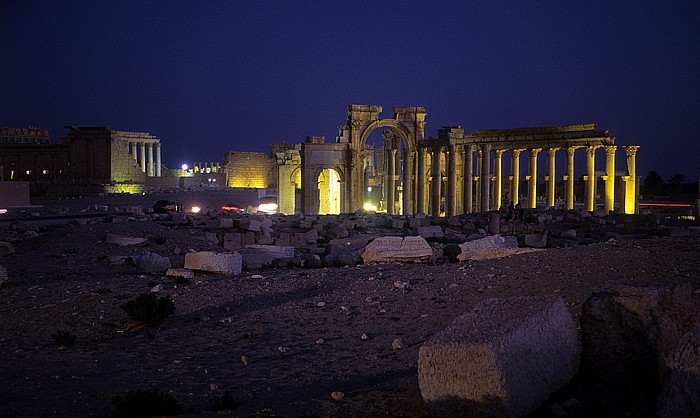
(680, 392)
(221, 263)
(503, 359)
(397, 249)
(150, 262)
(484, 247)
(629, 332)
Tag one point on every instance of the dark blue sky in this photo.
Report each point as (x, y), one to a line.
(208, 77)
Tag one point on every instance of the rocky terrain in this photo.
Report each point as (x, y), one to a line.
(338, 339)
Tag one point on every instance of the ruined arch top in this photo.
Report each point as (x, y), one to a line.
(407, 121)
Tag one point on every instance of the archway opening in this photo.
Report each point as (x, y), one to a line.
(385, 150)
(329, 192)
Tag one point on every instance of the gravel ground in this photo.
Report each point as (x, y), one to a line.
(279, 341)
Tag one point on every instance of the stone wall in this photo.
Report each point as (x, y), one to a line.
(249, 170)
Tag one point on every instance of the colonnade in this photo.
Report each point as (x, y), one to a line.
(153, 168)
(482, 190)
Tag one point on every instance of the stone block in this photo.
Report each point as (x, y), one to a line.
(250, 225)
(680, 391)
(503, 359)
(221, 263)
(478, 247)
(232, 241)
(397, 223)
(629, 332)
(257, 256)
(397, 249)
(247, 238)
(431, 231)
(123, 240)
(283, 239)
(225, 222)
(180, 272)
(150, 262)
(537, 240)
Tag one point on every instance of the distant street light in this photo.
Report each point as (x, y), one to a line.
(185, 167)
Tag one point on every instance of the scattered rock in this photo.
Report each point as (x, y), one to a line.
(396, 249)
(150, 262)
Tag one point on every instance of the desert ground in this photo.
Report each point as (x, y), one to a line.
(279, 341)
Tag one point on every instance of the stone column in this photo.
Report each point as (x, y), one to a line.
(497, 154)
(485, 176)
(420, 187)
(158, 163)
(515, 176)
(590, 178)
(407, 203)
(477, 179)
(551, 175)
(631, 204)
(468, 185)
(532, 185)
(610, 178)
(143, 157)
(436, 183)
(134, 153)
(570, 177)
(391, 181)
(451, 198)
(151, 171)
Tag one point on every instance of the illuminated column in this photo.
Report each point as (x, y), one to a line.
(391, 181)
(477, 179)
(485, 176)
(570, 177)
(151, 170)
(590, 178)
(468, 185)
(143, 157)
(436, 182)
(420, 187)
(631, 204)
(532, 184)
(158, 173)
(515, 176)
(451, 198)
(551, 175)
(134, 153)
(497, 154)
(610, 178)
(407, 203)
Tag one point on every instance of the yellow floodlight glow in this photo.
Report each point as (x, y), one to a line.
(369, 207)
(196, 209)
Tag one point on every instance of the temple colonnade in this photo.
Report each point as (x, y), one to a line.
(146, 154)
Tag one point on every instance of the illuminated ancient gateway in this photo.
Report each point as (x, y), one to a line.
(449, 175)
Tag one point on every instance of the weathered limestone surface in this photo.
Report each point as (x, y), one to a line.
(122, 240)
(397, 249)
(503, 359)
(184, 273)
(680, 392)
(432, 231)
(479, 247)
(222, 263)
(257, 256)
(629, 332)
(150, 262)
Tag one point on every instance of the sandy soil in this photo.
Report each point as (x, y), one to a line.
(281, 341)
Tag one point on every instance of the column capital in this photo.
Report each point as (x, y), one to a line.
(516, 152)
(534, 151)
(590, 150)
(610, 149)
(631, 149)
(552, 151)
(468, 148)
(420, 125)
(571, 150)
(498, 153)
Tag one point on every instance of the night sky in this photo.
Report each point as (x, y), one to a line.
(208, 77)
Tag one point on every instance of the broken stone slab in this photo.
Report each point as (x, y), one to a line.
(225, 222)
(250, 225)
(629, 332)
(221, 263)
(184, 273)
(538, 240)
(503, 359)
(3, 275)
(397, 249)
(150, 262)
(431, 231)
(680, 391)
(123, 240)
(479, 248)
(257, 256)
(232, 241)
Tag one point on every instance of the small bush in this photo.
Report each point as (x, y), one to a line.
(224, 402)
(143, 403)
(149, 309)
(63, 338)
(159, 239)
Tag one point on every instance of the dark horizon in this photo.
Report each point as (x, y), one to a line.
(220, 76)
